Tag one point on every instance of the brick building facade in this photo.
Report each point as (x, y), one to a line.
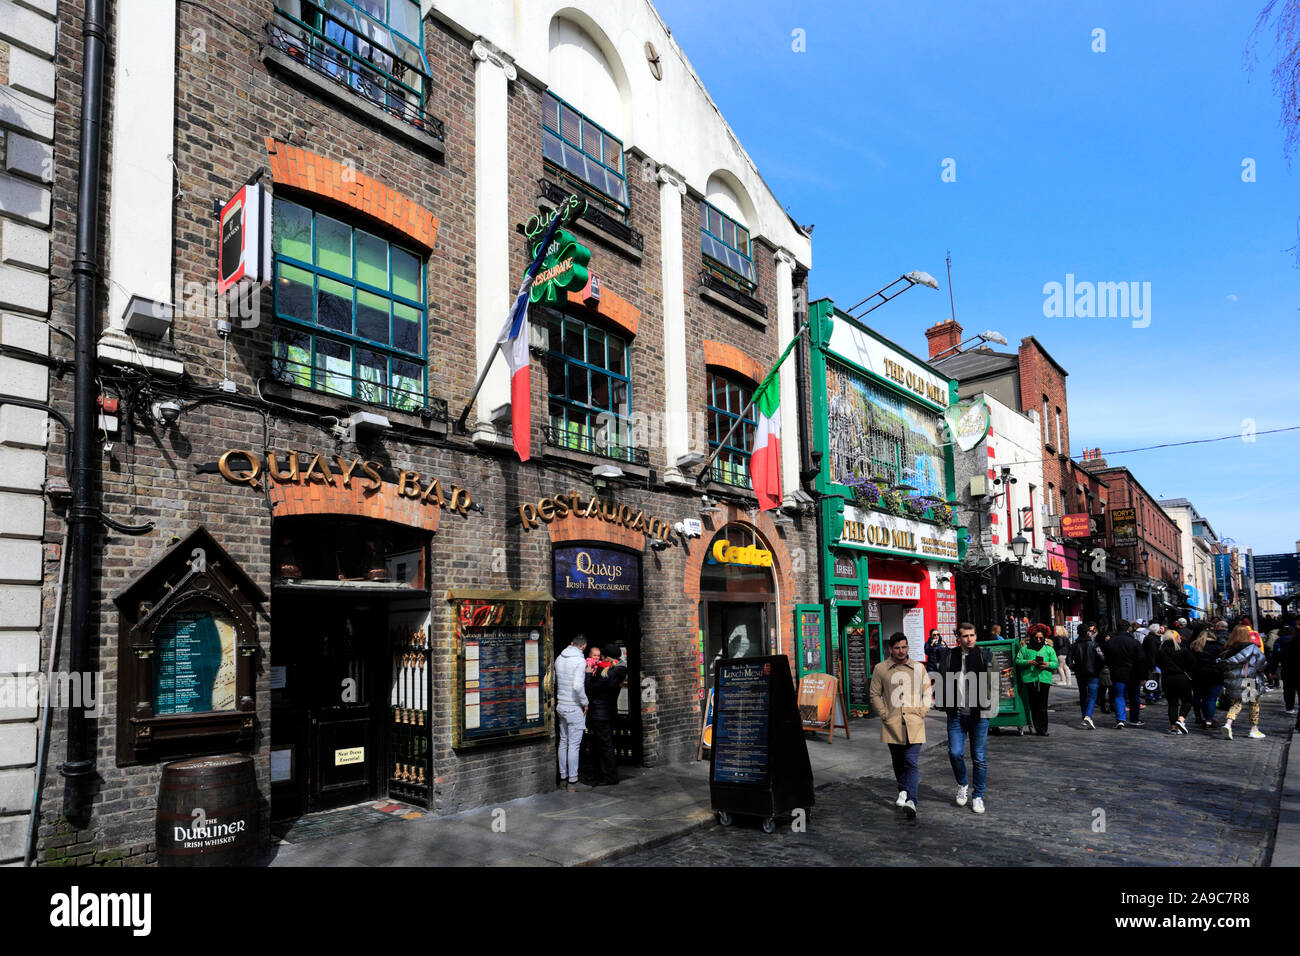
(412, 197)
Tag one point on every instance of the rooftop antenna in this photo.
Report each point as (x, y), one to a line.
(950, 300)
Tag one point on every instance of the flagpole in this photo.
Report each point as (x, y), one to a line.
(700, 479)
(460, 422)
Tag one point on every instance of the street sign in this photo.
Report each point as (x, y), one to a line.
(1277, 567)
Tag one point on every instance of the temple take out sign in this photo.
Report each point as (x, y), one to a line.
(875, 531)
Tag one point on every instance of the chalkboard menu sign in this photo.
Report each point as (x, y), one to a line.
(740, 722)
(812, 645)
(855, 638)
(194, 667)
(504, 650)
(759, 761)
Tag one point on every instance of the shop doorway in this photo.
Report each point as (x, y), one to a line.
(350, 667)
(738, 616)
(605, 626)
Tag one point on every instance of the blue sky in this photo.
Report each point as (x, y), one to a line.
(1117, 166)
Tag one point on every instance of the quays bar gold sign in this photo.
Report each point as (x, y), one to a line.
(245, 467)
(561, 506)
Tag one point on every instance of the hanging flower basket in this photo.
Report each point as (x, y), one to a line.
(915, 506)
(865, 491)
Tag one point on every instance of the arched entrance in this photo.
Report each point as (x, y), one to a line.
(738, 600)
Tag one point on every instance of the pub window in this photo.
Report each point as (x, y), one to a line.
(588, 388)
(375, 47)
(583, 154)
(187, 654)
(349, 310)
(727, 248)
(728, 397)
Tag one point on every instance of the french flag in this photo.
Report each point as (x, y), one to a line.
(513, 341)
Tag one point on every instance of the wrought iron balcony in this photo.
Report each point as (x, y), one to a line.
(596, 213)
(709, 279)
(383, 68)
(575, 440)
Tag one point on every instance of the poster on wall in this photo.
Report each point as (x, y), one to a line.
(868, 424)
(502, 646)
(194, 668)
(945, 606)
(808, 624)
(914, 628)
(1123, 522)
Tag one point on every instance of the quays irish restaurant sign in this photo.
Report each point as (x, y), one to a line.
(602, 574)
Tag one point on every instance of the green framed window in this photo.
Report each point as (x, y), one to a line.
(374, 46)
(726, 244)
(583, 150)
(349, 310)
(588, 388)
(727, 397)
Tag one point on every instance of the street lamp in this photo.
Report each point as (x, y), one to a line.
(989, 336)
(912, 278)
(1019, 545)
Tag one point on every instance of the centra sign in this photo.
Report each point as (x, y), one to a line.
(724, 553)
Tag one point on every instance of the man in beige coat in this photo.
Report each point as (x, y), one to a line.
(901, 696)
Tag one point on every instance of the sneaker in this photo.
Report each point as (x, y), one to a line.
(977, 805)
(1119, 725)
(1290, 713)
(902, 798)
(1227, 731)
(1257, 734)
(1173, 729)
(1138, 723)
(909, 808)
(961, 795)
(1087, 722)
(1182, 726)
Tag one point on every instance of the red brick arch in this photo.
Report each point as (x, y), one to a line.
(293, 498)
(574, 528)
(724, 356)
(765, 531)
(295, 167)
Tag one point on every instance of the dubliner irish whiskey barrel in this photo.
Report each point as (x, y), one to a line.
(207, 812)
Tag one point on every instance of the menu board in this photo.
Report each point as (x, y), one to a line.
(914, 628)
(502, 680)
(741, 711)
(1004, 662)
(855, 638)
(194, 667)
(812, 646)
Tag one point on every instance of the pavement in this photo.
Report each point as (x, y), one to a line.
(1076, 797)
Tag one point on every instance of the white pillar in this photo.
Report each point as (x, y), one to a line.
(672, 187)
(789, 393)
(142, 177)
(493, 289)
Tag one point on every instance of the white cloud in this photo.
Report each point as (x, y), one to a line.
(1232, 297)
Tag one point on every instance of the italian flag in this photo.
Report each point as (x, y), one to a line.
(765, 462)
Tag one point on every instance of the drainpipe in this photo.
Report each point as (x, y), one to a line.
(79, 768)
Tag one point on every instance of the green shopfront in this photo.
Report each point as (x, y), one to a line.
(886, 492)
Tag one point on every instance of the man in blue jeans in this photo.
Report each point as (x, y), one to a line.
(967, 690)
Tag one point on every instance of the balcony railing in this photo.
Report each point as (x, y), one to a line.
(361, 388)
(730, 473)
(332, 48)
(710, 279)
(577, 439)
(600, 213)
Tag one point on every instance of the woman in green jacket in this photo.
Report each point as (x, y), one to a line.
(1037, 664)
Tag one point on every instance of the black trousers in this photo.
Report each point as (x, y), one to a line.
(1178, 691)
(1289, 683)
(1036, 696)
(1135, 696)
(606, 765)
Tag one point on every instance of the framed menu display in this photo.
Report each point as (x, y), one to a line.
(503, 646)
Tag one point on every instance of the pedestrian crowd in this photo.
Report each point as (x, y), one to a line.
(1199, 670)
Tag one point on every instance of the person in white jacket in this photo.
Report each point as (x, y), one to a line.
(571, 708)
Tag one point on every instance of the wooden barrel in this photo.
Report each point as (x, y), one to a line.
(207, 812)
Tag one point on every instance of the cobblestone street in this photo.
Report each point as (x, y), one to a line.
(1136, 797)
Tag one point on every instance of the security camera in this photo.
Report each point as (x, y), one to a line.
(166, 412)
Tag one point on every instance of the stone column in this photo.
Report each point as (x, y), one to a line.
(493, 288)
(789, 392)
(676, 432)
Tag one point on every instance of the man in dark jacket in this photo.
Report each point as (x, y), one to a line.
(1150, 647)
(1124, 658)
(966, 686)
(1286, 652)
(602, 694)
(1086, 661)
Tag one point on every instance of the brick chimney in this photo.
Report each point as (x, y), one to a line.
(943, 337)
